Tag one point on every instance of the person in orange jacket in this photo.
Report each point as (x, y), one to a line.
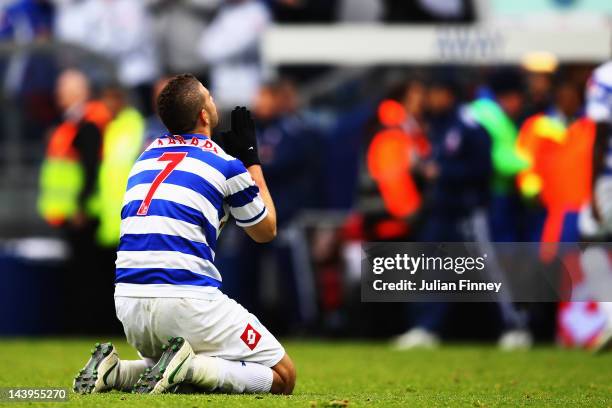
(389, 197)
(557, 145)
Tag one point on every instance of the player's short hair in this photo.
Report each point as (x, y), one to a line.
(179, 103)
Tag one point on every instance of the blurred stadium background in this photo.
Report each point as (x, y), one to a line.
(324, 79)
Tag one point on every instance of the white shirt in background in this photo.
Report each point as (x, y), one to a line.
(230, 45)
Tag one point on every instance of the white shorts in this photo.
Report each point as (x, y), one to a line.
(219, 327)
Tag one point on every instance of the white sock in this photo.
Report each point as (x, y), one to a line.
(129, 371)
(237, 377)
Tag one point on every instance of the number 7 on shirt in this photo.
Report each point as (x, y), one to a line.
(173, 159)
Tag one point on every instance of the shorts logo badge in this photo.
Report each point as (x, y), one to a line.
(250, 336)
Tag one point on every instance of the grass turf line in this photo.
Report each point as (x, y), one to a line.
(364, 374)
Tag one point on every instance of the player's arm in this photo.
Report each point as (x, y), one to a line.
(242, 143)
(264, 230)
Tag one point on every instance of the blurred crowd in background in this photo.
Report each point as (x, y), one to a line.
(440, 154)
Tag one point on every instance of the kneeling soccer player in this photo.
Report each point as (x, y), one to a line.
(180, 193)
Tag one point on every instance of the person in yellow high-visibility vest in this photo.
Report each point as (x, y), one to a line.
(69, 170)
(69, 193)
(123, 139)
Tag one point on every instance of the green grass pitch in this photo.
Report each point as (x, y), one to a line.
(351, 374)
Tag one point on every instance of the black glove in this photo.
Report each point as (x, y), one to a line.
(241, 141)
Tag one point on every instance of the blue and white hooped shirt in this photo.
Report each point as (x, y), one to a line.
(180, 192)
